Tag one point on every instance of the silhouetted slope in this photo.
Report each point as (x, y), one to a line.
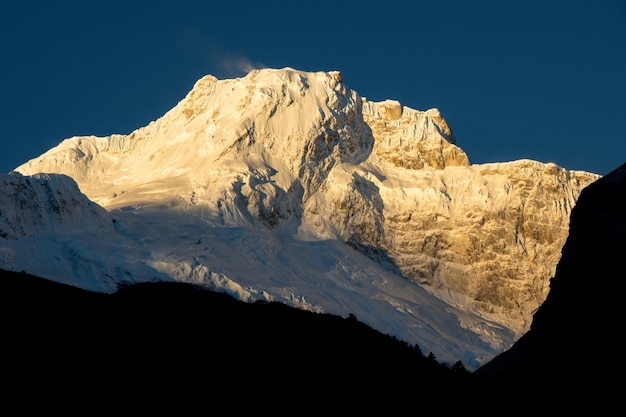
(165, 341)
(574, 344)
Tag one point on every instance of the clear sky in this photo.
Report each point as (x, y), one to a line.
(538, 79)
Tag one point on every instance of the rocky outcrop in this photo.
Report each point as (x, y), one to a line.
(412, 139)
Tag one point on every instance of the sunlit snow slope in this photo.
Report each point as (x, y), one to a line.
(287, 185)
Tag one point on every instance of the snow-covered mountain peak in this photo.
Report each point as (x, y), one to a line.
(287, 113)
(273, 135)
(288, 185)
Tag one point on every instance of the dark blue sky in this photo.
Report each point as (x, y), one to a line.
(544, 80)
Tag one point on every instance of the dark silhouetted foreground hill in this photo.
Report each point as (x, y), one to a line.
(176, 342)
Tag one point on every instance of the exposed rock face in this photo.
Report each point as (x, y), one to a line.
(412, 139)
(284, 147)
(485, 236)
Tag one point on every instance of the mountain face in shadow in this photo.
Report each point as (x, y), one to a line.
(574, 344)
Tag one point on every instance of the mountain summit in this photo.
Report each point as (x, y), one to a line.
(287, 185)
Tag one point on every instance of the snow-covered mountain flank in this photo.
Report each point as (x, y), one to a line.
(287, 185)
(49, 228)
